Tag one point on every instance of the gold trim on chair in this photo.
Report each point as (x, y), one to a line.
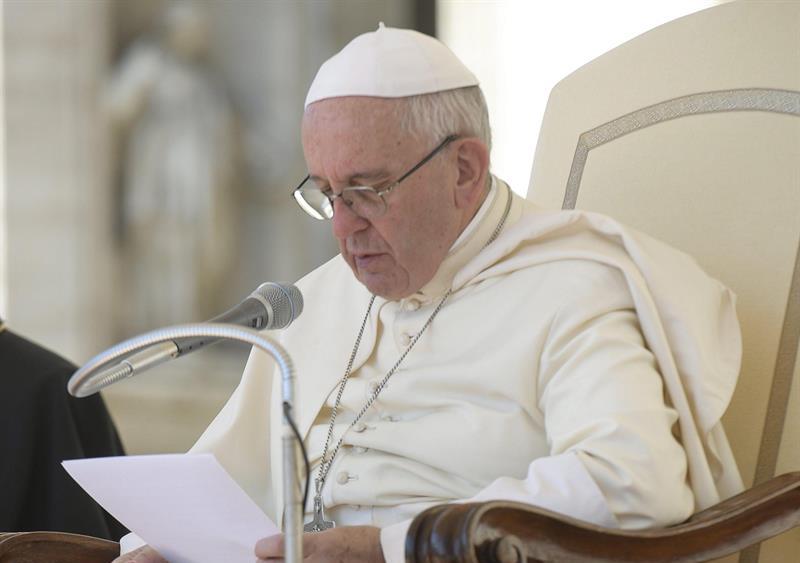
(778, 405)
(746, 99)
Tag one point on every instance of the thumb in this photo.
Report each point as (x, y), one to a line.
(272, 546)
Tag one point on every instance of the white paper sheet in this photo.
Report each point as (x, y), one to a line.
(186, 506)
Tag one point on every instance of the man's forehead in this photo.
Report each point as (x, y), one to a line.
(339, 152)
(365, 115)
(356, 120)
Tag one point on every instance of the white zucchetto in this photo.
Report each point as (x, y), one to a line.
(390, 63)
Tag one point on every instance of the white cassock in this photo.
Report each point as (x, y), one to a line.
(577, 365)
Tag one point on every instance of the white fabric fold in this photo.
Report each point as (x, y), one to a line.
(688, 320)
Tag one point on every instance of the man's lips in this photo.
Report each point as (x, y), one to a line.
(364, 260)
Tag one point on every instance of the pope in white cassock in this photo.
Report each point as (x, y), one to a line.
(468, 345)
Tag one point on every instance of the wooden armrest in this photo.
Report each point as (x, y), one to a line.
(499, 531)
(55, 547)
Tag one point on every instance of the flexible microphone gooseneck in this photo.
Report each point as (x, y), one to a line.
(270, 306)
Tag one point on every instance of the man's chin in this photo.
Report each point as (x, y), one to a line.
(379, 285)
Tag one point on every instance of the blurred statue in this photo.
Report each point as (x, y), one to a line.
(178, 170)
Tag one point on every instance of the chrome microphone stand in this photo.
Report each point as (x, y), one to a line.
(86, 381)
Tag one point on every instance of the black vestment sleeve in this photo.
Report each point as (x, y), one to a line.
(40, 426)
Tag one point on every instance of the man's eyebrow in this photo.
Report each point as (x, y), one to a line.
(378, 173)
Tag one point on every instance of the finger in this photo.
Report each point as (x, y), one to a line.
(270, 548)
(128, 557)
(144, 554)
(148, 555)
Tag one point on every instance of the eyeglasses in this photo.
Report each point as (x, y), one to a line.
(364, 201)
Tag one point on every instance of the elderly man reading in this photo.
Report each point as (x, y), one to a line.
(467, 345)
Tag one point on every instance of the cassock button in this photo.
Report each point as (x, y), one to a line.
(360, 450)
(405, 339)
(359, 427)
(412, 304)
(343, 477)
(372, 386)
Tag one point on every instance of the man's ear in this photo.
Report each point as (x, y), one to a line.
(473, 167)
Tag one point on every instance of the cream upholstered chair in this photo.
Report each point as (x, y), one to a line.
(690, 133)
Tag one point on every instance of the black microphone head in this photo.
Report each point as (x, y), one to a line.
(286, 302)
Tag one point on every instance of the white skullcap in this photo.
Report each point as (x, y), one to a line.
(390, 63)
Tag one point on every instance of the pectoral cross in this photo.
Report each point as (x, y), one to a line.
(318, 523)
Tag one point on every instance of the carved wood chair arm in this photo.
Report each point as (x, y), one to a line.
(55, 547)
(506, 532)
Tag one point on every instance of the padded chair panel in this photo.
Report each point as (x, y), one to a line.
(735, 45)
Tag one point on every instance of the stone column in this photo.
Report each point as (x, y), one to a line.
(59, 247)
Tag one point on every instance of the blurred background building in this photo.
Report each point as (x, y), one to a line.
(149, 148)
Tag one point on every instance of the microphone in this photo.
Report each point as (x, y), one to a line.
(270, 306)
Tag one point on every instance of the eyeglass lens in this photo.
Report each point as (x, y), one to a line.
(363, 200)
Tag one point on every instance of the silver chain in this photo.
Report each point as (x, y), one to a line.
(327, 462)
(324, 465)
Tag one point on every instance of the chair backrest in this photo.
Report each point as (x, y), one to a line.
(691, 133)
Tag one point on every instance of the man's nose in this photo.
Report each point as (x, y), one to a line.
(345, 221)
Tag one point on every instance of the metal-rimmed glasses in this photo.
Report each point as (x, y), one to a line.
(364, 201)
